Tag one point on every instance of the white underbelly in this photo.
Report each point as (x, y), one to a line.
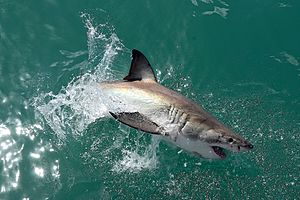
(197, 146)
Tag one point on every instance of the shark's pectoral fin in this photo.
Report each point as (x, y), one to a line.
(140, 68)
(137, 121)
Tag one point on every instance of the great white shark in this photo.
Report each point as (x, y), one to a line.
(139, 101)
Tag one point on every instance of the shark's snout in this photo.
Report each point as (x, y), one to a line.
(247, 146)
(238, 146)
(227, 141)
(220, 150)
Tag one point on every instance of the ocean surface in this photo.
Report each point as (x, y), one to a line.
(240, 60)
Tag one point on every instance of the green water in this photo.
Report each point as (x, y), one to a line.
(239, 59)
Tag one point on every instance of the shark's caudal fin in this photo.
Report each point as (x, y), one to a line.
(140, 68)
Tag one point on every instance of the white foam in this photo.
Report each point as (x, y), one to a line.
(290, 59)
(79, 104)
(194, 2)
(133, 161)
(223, 12)
(207, 1)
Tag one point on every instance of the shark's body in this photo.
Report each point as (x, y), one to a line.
(142, 103)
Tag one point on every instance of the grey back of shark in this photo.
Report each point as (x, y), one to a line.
(139, 101)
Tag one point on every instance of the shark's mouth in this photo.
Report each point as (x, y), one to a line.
(219, 151)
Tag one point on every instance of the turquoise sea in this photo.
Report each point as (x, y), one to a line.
(239, 59)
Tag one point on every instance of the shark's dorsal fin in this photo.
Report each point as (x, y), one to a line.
(140, 68)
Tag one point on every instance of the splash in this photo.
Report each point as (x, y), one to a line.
(133, 161)
(79, 104)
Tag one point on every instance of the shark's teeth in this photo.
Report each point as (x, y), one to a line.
(219, 151)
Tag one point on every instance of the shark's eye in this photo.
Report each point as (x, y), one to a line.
(230, 140)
